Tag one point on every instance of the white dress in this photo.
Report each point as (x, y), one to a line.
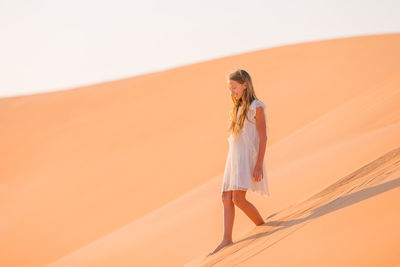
(242, 156)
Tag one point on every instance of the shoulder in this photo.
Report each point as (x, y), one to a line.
(257, 103)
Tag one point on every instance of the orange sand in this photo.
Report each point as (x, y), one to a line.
(128, 173)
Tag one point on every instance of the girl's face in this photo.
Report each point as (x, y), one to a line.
(237, 88)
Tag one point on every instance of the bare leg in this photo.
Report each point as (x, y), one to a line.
(239, 199)
(229, 216)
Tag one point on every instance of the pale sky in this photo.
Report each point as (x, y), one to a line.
(58, 44)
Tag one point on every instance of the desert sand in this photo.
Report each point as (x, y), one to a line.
(128, 172)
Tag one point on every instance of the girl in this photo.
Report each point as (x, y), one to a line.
(245, 166)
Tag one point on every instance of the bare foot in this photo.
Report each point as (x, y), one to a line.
(263, 222)
(223, 244)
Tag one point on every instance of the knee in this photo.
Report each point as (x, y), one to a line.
(227, 199)
(238, 200)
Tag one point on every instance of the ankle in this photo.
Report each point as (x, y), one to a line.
(227, 239)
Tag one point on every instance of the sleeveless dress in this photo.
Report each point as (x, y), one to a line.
(242, 156)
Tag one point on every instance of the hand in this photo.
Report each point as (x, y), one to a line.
(258, 173)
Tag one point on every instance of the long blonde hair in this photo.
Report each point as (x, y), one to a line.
(240, 76)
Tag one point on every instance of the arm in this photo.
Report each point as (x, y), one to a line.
(261, 129)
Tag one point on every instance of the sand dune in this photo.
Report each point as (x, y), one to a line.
(129, 172)
(330, 215)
